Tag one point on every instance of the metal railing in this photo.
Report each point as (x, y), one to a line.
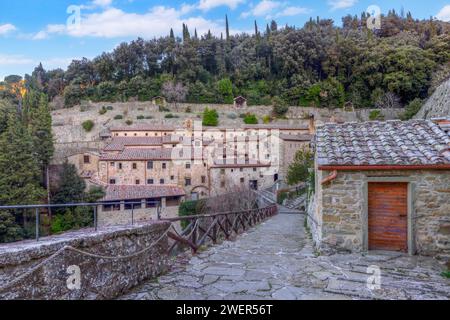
(38, 208)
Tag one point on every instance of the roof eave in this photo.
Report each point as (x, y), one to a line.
(383, 167)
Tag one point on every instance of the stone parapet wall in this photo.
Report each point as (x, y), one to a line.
(112, 261)
(341, 206)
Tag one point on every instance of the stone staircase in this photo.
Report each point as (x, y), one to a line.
(297, 203)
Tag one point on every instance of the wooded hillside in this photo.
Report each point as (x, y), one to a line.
(319, 65)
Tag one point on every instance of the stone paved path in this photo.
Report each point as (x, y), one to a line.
(276, 260)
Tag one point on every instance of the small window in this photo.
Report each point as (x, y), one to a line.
(138, 182)
(188, 182)
(135, 134)
(112, 164)
(164, 165)
(112, 181)
(222, 184)
(146, 134)
(134, 166)
(172, 178)
(126, 134)
(188, 165)
(150, 181)
(222, 171)
(241, 169)
(254, 169)
(242, 180)
(120, 166)
(87, 159)
(203, 179)
(161, 181)
(150, 165)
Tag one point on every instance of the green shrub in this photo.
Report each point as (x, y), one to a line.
(103, 110)
(72, 219)
(210, 118)
(446, 274)
(129, 122)
(411, 109)
(375, 115)
(190, 208)
(163, 109)
(242, 115)
(88, 125)
(267, 119)
(141, 117)
(281, 196)
(188, 110)
(148, 117)
(118, 117)
(250, 119)
(280, 107)
(109, 108)
(171, 116)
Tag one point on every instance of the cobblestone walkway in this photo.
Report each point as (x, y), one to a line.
(276, 260)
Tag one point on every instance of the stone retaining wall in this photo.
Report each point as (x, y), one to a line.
(100, 278)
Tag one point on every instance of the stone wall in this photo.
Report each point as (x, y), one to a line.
(101, 278)
(141, 215)
(341, 206)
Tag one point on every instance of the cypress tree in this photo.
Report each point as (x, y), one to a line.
(71, 186)
(227, 27)
(19, 168)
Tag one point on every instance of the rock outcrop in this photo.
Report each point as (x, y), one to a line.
(438, 105)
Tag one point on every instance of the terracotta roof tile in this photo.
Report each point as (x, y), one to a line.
(119, 143)
(135, 192)
(145, 127)
(415, 142)
(296, 137)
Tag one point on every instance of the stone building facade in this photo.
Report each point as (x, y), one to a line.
(382, 183)
(200, 161)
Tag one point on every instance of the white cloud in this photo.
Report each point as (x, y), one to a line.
(113, 22)
(263, 8)
(102, 3)
(341, 4)
(444, 14)
(6, 59)
(271, 9)
(6, 28)
(211, 4)
(293, 11)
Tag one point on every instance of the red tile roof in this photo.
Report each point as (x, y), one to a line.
(119, 143)
(139, 154)
(145, 127)
(136, 192)
(152, 154)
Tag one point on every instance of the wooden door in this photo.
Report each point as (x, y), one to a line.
(388, 216)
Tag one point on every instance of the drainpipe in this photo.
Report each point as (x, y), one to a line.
(330, 178)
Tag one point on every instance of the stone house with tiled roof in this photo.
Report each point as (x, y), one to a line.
(382, 186)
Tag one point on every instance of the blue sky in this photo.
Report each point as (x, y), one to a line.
(33, 31)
